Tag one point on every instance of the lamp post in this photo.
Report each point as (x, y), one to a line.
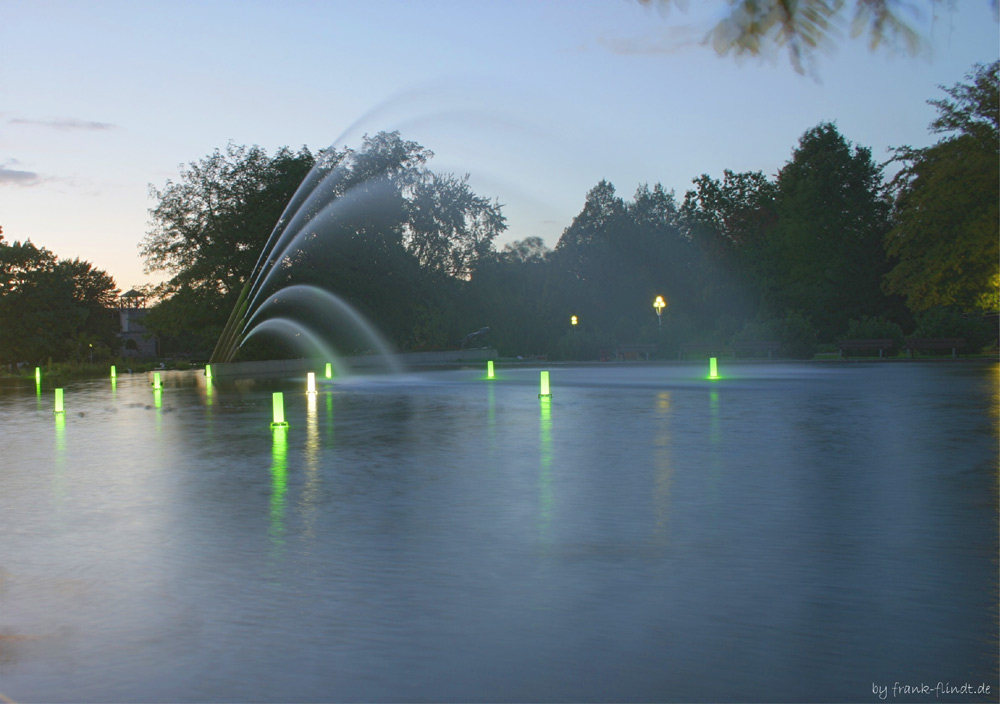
(659, 304)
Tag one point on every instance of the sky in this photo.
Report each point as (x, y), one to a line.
(535, 100)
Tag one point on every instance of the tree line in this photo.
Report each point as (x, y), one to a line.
(827, 248)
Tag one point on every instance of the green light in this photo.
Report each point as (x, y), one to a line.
(59, 401)
(114, 373)
(208, 371)
(278, 404)
(311, 383)
(489, 369)
(38, 375)
(156, 381)
(279, 482)
(543, 391)
(157, 397)
(545, 491)
(329, 370)
(713, 368)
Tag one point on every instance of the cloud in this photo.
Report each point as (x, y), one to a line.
(17, 177)
(670, 40)
(65, 124)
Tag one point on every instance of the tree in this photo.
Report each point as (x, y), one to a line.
(47, 305)
(208, 229)
(449, 227)
(373, 226)
(945, 235)
(727, 222)
(824, 256)
(752, 27)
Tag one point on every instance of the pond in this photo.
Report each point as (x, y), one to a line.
(788, 532)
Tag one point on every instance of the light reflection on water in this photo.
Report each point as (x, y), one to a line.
(789, 532)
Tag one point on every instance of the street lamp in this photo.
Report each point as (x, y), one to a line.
(659, 304)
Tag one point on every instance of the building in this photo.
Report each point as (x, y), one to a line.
(136, 341)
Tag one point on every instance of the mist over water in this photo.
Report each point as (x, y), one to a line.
(790, 532)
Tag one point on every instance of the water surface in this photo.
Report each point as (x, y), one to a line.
(790, 532)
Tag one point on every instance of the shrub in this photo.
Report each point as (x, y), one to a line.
(798, 336)
(949, 322)
(874, 329)
(794, 331)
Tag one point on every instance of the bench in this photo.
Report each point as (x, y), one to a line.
(934, 343)
(755, 347)
(879, 344)
(624, 352)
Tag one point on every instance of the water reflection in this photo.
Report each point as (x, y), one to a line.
(310, 492)
(59, 464)
(841, 537)
(545, 497)
(279, 483)
(662, 463)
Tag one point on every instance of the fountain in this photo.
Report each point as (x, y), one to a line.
(331, 201)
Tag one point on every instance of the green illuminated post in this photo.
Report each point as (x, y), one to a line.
(329, 370)
(543, 391)
(713, 368)
(489, 369)
(114, 373)
(208, 371)
(59, 401)
(38, 375)
(311, 383)
(278, 404)
(156, 381)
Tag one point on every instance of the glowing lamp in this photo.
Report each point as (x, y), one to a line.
(278, 406)
(329, 370)
(311, 383)
(573, 321)
(208, 371)
(489, 369)
(659, 304)
(713, 368)
(38, 375)
(543, 391)
(59, 401)
(114, 372)
(156, 381)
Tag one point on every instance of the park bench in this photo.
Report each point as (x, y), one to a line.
(755, 347)
(624, 352)
(880, 344)
(934, 343)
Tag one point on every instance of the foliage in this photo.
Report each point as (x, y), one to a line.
(207, 230)
(801, 256)
(803, 27)
(876, 328)
(945, 239)
(794, 331)
(824, 255)
(53, 308)
(951, 322)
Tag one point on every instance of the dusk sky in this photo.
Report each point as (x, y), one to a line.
(537, 101)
